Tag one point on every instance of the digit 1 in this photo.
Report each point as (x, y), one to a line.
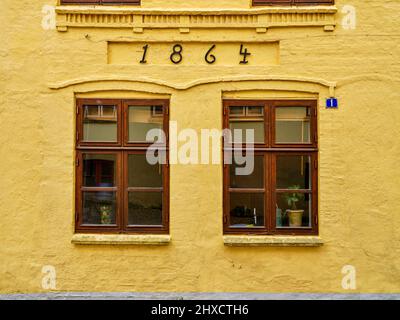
(244, 53)
(144, 54)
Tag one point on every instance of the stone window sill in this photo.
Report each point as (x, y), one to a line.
(273, 241)
(120, 239)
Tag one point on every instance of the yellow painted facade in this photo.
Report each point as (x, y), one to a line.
(310, 53)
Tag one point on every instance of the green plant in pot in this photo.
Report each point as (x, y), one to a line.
(105, 214)
(295, 215)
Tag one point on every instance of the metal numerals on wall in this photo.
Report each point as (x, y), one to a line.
(177, 54)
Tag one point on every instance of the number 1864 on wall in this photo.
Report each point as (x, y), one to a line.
(176, 56)
(194, 53)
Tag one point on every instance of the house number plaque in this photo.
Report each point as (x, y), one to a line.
(193, 53)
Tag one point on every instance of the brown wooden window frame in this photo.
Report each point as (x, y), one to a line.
(270, 150)
(122, 149)
(292, 2)
(101, 2)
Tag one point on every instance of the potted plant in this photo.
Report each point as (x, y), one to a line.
(295, 215)
(105, 214)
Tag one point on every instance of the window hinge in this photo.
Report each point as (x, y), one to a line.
(315, 164)
(224, 111)
(166, 110)
(77, 162)
(225, 220)
(316, 219)
(76, 217)
(77, 109)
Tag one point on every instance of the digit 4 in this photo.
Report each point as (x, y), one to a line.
(244, 53)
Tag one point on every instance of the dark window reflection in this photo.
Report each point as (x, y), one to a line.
(99, 170)
(253, 180)
(293, 172)
(145, 208)
(143, 174)
(247, 210)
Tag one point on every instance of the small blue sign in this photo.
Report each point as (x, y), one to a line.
(332, 103)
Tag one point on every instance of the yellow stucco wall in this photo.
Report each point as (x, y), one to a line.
(41, 73)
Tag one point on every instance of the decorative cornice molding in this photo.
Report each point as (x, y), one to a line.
(139, 19)
(93, 79)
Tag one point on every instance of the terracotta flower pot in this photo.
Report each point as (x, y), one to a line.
(295, 218)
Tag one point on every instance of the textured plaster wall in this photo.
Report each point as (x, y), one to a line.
(359, 178)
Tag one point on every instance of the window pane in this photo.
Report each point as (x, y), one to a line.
(142, 120)
(292, 125)
(248, 117)
(293, 172)
(254, 111)
(99, 170)
(241, 137)
(145, 208)
(293, 210)
(99, 208)
(246, 210)
(99, 123)
(237, 111)
(143, 174)
(254, 180)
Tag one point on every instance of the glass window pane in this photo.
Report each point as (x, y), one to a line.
(145, 208)
(293, 125)
(99, 123)
(293, 172)
(99, 208)
(142, 119)
(255, 111)
(142, 174)
(244, 118)
(246, 210)
(293, 210)
(241, 136)
(254, 180)
(99, 170)
(237, 111)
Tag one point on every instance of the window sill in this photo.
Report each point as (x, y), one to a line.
(273, 241)
(139, 19)
(121, 239)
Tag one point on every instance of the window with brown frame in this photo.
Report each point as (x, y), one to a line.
(102, 2)
(117, 189)
(292, 2)
(279, 196)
